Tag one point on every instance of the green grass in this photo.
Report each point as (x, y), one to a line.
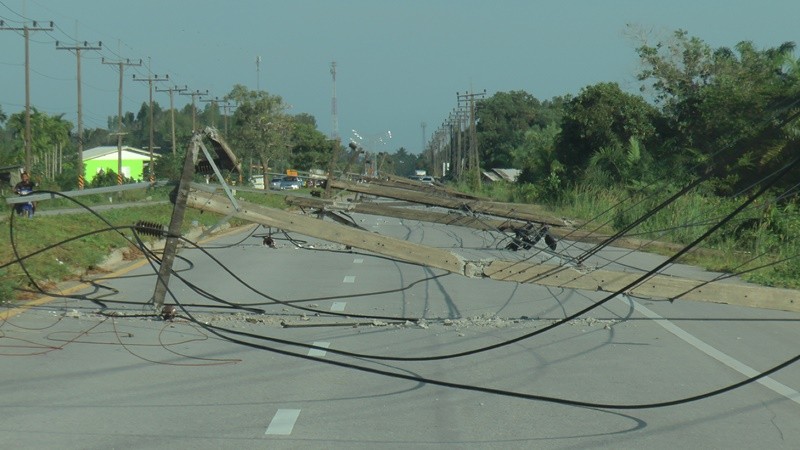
(72, 259)
(761, 241)
(761, 237)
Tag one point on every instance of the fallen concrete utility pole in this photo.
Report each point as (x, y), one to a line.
(529, 213)
(377, 209)
(656, 287)
(332, 232)
(225, 158)
(395, 181)
(470, 221)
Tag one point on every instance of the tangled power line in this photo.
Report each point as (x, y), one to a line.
(188, 314)
(203, 329)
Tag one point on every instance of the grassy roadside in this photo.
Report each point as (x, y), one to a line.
(760, 243)
(764, 236)
(57, 248)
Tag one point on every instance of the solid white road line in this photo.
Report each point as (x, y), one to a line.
(729, 361)
(318, 352)
(283, 422)
(338, 306)
(349, 279)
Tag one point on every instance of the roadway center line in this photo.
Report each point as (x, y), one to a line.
(338, 306)
(729, 361)
(283, 422)
(349, 279)
(318, 352)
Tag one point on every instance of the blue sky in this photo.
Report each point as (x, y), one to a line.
(399, 63)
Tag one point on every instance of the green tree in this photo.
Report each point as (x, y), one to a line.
(311, 149)
(49, 141)
(536, 155)
(601, 116)
(262, 129)
(503, 120)
(723, 105)
(402, 162)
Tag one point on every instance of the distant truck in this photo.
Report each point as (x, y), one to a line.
(421, 175)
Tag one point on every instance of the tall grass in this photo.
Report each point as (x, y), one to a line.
(763, 234)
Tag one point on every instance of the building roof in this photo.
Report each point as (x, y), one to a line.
(490, 175)
(110, 152)
(509, 175)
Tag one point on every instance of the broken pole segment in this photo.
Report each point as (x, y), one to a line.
(332, 232)
(524, 212)
(175, 223)
(655, 287)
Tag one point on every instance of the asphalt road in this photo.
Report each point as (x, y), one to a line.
(442, 361)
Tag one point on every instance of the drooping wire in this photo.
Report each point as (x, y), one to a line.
(776, 176)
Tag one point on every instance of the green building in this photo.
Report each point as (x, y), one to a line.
(135, 162)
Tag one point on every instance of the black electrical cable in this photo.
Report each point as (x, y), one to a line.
(777, 176)
(733, 214)
(506, 393)
(704, 177)
(252, 233)
(20, 259)
(530, 396)
(290, 304)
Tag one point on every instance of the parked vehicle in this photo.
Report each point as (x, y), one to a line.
(285, 183)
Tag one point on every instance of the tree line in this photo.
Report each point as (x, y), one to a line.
(723, 113)
(265, 137)
(726, 114)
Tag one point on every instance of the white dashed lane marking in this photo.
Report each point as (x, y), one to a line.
(283, 422)
(338, 306)
(729, 361)
(349, 279)
(318, 352)
(358, 260)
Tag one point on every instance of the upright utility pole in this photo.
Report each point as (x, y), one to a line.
(77, 48)
(474, 160)
(195, 94)
(215, 104)
(424, 125)
(121, 64)
(334, 134)
(334, 112)
(26, 34)
(171, 90)
(226, 110)
(150, 79)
